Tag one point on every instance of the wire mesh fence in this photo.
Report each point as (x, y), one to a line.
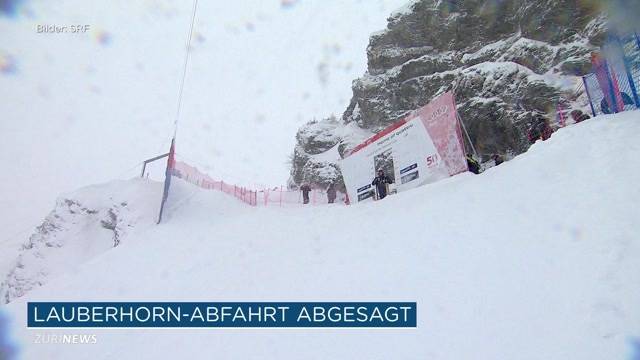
(614, 84)
(278, 196)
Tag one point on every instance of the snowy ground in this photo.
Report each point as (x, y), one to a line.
(88, 107)
(534, 259)
(83, 224)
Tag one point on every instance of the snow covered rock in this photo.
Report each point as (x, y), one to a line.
(316, 138)
(507, 61)
(82, 225)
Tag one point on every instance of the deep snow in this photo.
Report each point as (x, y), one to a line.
(534, 259)
(84, 108)
(83, 224)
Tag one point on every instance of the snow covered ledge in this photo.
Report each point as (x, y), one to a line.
(83, 224)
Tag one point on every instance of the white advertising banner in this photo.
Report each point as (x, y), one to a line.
(422, 148)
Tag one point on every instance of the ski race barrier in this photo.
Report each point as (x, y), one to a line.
(277, 196)
(192, 175)
(614, 84)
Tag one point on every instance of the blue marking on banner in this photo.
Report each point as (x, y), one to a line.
(364, 188)
(409, 168)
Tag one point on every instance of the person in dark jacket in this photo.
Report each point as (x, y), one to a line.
(306, 189)
(547, 130)
(540, 129)
(331, 193)
(380, 182)
(532, 133)
(497, 159)
(579, 116)
(473, 165)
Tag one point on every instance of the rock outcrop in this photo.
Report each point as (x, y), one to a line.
(507, 61)
(83, 224)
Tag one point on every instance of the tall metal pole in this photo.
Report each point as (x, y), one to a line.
(586, 89)
(184, 70)
(464, 128)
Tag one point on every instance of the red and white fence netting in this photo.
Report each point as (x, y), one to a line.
(191, 174)
(277, 196)
(280, 196)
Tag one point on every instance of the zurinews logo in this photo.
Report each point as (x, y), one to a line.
(288, 314)
(66, 339)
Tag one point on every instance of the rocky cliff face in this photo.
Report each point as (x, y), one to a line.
(83, 225)
(506, 60)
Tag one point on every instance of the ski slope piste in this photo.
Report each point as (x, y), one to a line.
(422, 148)
(534, 259)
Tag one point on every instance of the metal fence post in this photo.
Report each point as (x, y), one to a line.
(627, 69)
(632, 84)
(586, 89)
(144, 164)
(612, 93)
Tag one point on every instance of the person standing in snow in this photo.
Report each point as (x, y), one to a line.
(579, 116)
(539, 130)
(331, 193)
(380, 182)
(497, 159)
(306, 189)
(547, 130)
(473, 165)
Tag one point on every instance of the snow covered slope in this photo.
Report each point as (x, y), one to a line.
(83, 224)
(87, 107)
(534, 259)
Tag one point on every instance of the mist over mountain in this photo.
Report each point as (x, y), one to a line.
(88, 107)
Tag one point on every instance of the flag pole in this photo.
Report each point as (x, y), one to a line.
(466, 133)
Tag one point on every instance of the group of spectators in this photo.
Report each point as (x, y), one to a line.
(539, 129)
(380, 182)
(332, 193)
